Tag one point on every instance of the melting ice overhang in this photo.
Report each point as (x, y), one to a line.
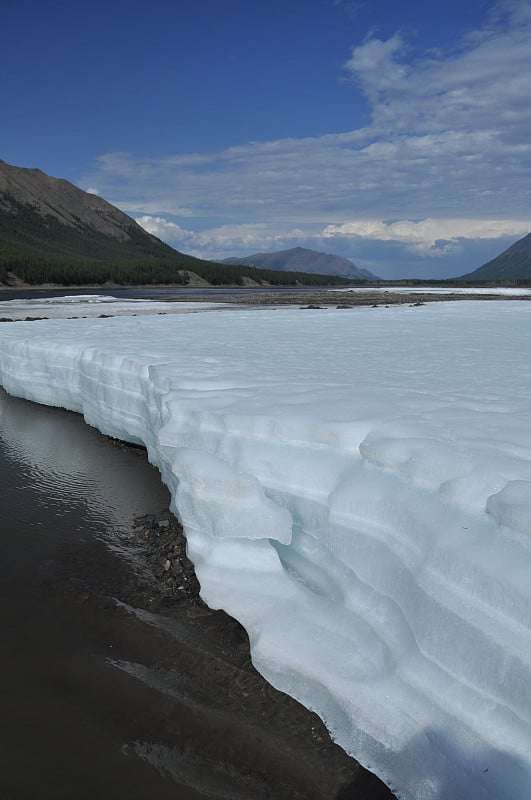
(355, 488)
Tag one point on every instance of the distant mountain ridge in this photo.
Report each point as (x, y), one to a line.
(51, 217)
(513, 264)
(303, 260)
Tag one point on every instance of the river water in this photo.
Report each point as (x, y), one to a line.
(67, 499)
(147, 293)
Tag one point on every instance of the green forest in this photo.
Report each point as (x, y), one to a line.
(35, 271)
(37, 250)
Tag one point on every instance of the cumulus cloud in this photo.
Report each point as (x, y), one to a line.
(431, 237)
(427, 237)
(448, 142)
(165, 229)
(376, 67)
(225, 240)
(483, 86)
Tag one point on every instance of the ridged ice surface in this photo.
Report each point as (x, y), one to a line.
(355, 488)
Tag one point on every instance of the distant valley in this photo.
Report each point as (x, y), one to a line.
(52, 232)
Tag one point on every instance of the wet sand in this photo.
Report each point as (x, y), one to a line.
(321, 298)
(116, 680)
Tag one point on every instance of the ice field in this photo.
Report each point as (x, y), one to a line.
(355, 487)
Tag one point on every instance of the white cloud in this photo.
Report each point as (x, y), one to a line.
(165, 229)
(483, 85)
(92, 190)
(448, 143)
(389, 249)
(374, 65)
(223, 240)
(433, 237)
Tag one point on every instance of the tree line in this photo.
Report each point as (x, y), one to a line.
(35, 270)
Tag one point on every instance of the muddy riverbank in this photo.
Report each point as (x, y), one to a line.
(116, 679)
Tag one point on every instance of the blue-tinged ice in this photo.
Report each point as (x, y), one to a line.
(355, 488)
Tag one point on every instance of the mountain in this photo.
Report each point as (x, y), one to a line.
(50, 217)
(303, 260)
(513, 264)
(51, 232)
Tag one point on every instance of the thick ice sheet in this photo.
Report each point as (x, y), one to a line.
(356, 490)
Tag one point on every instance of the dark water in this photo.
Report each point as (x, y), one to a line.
(144, 293)
(64, 491)
(100, 698)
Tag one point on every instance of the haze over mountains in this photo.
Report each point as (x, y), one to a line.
(302, 259)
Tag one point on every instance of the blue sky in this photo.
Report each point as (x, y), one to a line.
(397, 134)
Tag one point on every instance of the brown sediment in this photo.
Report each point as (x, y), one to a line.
(322, 298)
(279, 748)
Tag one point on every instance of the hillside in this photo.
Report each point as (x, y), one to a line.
(53, 232)
(304, 260)
(513, 264)
(45, 216)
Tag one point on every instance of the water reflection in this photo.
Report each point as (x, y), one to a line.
(142, 292)
(64, 461)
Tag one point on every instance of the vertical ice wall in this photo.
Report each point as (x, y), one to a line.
(355, 489)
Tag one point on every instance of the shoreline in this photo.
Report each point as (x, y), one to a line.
(306, 298)
(176, 593)
(120, 681)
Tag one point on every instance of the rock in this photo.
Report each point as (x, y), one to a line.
(164, 523)
(167, 565)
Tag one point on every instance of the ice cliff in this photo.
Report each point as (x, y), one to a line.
(355, 487)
